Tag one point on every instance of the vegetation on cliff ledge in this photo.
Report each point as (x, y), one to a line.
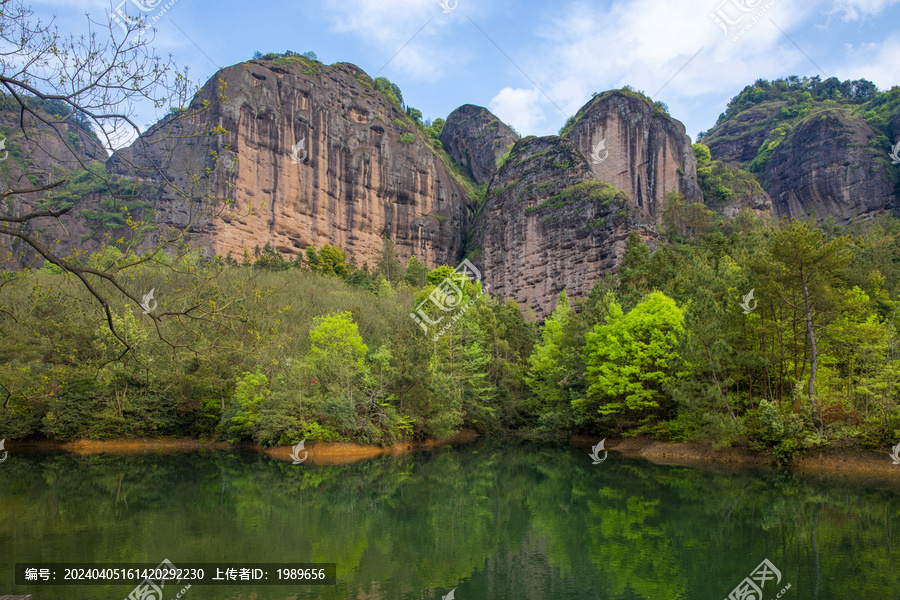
(779, 105)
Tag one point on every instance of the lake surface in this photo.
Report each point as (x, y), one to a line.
(493, 520)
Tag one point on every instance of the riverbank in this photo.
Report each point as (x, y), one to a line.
(694, 454)
(316, 454)
(851, 460)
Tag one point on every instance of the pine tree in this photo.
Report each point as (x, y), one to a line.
(388, 262)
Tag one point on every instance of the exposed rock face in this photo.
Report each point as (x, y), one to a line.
(364, 171)
(738, 139)
(637, 148)
(759, 203)
(38, 155)
(477, 139)
(549, 225)
(824, 167)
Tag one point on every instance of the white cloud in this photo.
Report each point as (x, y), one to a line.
(519, 108)
(403, 33)
(673, 51)
(853, 10)
(875, 61)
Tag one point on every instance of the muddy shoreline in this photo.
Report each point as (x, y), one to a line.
(850, 460)
(317, 454)
(833, 460)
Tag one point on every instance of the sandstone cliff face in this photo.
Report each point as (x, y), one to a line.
(826, 167)
(548, 225)
(476, 139)
(365, 170)
(637, 148)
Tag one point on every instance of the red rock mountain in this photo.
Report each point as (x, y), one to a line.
(320, 157)
(477, 140)
(299, 153)
(637, 147)
(549, 225)
(559, 211)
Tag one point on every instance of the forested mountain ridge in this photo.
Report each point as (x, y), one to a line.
(819, 148)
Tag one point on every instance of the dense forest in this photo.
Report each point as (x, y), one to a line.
(673, 345)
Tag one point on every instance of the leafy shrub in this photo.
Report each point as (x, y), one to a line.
(73, 411)
(251, 390)
(772, 430)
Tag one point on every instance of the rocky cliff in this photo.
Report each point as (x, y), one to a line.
(549, 225)
(478, 140)
(826, 167)
(297, 153)
(637, 147)
(316, 155)
(40, 151)
(560, 209)
(817, 148)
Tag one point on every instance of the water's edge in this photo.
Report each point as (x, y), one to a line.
(852, 460)
(317, 454)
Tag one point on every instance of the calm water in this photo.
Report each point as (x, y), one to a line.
(510, 520)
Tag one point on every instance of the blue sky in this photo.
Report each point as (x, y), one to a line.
(535, 63)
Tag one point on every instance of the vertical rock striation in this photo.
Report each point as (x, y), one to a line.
(365, 169)
(548, 225)
(829, 165)
(638, 148)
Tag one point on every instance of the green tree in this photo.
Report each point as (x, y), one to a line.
(338, 352)
(312, 258)
(390, 90)
(804, 267)
(414, 113)
(436, 276)
(435, 129)
(630, 358)
(250, 392)
(545, 365)
(416, 273)
(332, 261)
(389, 262)
(634, 270)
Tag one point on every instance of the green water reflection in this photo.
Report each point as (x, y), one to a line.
(510, 520)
